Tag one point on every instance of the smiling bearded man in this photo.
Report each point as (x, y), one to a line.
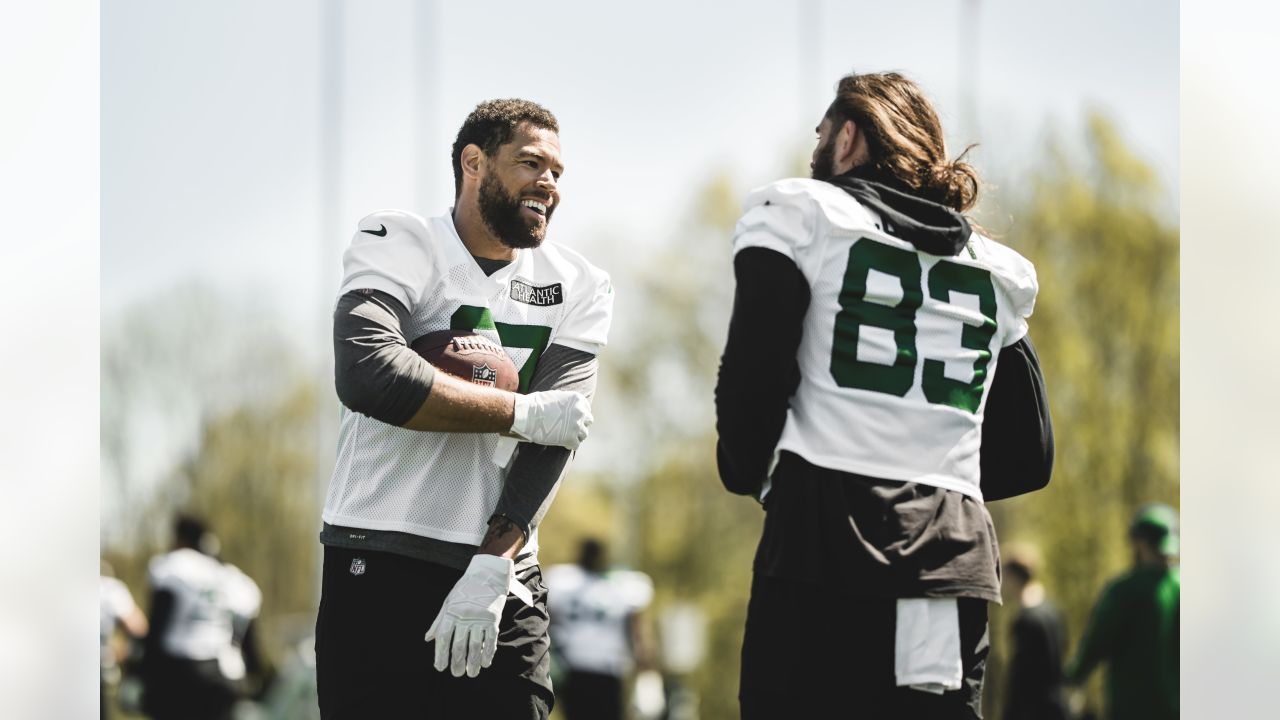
(432, 603)
(505, 215)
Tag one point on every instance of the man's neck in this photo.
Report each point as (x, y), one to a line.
(476, 235)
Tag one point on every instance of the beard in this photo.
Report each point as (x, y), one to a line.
(824, 165)
(501, 213)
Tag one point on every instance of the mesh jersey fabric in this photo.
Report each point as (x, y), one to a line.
(915, 337)
(445, 485)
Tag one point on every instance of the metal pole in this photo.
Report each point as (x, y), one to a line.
(967, 64)
(809, 39)
(425, 82)
(332, 63)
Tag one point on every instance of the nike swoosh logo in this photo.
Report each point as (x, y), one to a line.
(382, 230)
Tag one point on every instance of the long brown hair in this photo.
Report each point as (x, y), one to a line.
(904, 137)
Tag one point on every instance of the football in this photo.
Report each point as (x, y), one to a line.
(464, 354)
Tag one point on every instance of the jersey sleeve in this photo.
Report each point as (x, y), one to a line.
(1021, 289)
(586, 323)
(158, 572)
(781, 217)
(1016, 278)
(389, 252)
(117, 598)
(244, 599)
(636, 590)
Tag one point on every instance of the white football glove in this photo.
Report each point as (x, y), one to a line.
(552, 417)
(466, 630)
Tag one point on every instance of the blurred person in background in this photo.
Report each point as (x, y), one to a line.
(597, 631)
(201, 640)
(430, 528)
(1039, 639)
(118, 611)
(1134, 627)
(877, 342)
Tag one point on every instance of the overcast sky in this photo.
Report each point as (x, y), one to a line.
(217, 129)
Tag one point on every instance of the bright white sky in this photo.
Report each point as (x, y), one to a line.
(213, 113)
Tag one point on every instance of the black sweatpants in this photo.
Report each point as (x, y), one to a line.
(800, 662)
(372, 661)
(182, 689)
(591, 696)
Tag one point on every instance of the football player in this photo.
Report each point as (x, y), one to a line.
(117, 611)
(202, 609)
(432, 601)
(877, 344)
(596, 617)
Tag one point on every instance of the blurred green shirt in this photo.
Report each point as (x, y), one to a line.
(1134, 629)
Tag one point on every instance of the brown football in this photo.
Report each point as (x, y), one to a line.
(473, 357)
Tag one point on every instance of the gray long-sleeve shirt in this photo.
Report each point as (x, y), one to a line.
(379, 375)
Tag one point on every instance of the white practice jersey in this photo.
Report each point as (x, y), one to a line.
(446, 485)
(212, 603)
(115, 602)
(590, 613)
(899, 346)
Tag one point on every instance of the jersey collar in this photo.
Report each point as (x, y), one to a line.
(494, 283)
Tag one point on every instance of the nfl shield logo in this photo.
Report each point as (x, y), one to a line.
(357, 566)
(484, 375)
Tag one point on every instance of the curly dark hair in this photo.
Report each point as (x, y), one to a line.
(492, 124)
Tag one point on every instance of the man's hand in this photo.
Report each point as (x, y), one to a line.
(552, 417)
(466, 630)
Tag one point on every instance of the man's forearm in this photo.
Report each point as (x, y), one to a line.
(503, 538)
(536, 471)
(455, 405)
(379, 375)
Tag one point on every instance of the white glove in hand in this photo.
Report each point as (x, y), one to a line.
(466, 630)
(552, 417)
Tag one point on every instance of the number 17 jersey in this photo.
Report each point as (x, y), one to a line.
(899, 346)
(445, 485)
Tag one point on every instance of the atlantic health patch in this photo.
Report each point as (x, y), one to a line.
(525, 292)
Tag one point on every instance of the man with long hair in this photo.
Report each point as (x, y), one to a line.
(877, 386)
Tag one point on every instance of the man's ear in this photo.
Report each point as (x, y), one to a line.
(847, 138)
(472, 161)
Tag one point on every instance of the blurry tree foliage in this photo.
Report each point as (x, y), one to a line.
(1106, 328)
(206, 409)
(253, 478)
(674, 519)
(169, 363)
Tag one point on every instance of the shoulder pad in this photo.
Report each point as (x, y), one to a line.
(789, 191)
(390, 221)
(1015, 274)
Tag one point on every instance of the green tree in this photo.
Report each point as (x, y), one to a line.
(169, 362)
(1106, 328)
(253, 478)
(674, 519)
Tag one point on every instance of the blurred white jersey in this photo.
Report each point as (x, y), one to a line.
(898, 346)
(212, 604)
(446, 485)
(590, 614)
(115, 602)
